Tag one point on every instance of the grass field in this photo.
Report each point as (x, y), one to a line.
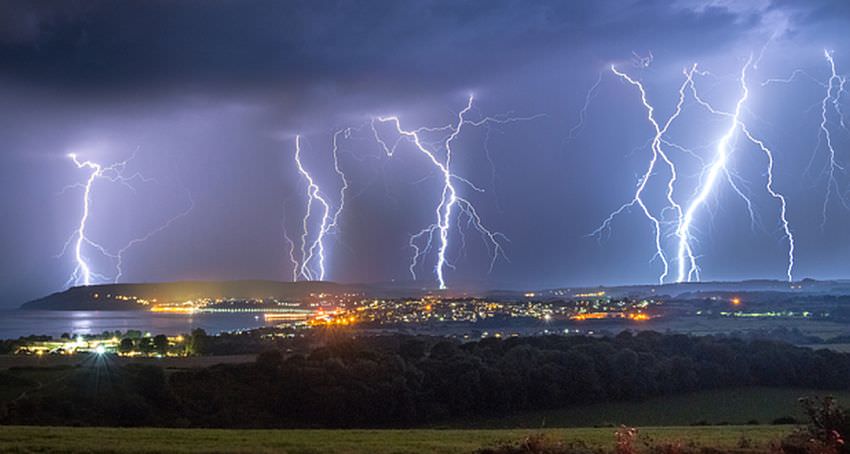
(110, 440)
(727, 406)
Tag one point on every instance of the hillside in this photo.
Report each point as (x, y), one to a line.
(108, 296)
(698, 290)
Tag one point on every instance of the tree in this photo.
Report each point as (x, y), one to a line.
(413, 349)
(151, 384)
(126, 345)
(199, 342)
(269, 360)
(160, 343)
(146, 345)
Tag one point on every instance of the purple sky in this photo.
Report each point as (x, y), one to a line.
(210, 96)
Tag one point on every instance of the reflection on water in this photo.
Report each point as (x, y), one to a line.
(16, 323)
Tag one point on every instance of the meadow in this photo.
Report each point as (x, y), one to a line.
(737, 406)
(113, 440)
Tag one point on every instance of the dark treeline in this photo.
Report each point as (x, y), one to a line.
(405, 381)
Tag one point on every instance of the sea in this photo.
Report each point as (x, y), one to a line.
(16, 323)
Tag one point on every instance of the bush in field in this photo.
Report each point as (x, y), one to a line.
(541, 444)
(826, 431)
(625, 438)
(625, 441)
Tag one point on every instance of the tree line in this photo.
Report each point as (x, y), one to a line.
(402, 381)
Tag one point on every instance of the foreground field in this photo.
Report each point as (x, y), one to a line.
(111, 440)
(762, 405)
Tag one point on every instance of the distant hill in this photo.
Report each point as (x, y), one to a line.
(109, 296)
(698, 290)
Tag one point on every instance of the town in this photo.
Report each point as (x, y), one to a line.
(466, 319)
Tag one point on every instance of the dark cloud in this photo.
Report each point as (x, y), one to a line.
(220, 45)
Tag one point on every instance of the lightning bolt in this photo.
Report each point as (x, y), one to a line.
(793, 77)
(707, 185)
(834, 83)
(837, 101)
(312, 263)
(334, 221)
(317, 247)
(657, 152)
(292, 259)
(119, 256)
(719, 165)
(451, 203)
(783, 214)
(834, 88)
(582, 114)
(686, 261)
(83, 273)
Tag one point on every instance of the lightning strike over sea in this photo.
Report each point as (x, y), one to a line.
(84, 273)
(312, 264)
(317, 246)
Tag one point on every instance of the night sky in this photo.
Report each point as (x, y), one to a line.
(210, 95)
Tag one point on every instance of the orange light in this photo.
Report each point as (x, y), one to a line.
(736, 301)
(590, 316)
(173, 309)
(639, 317)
